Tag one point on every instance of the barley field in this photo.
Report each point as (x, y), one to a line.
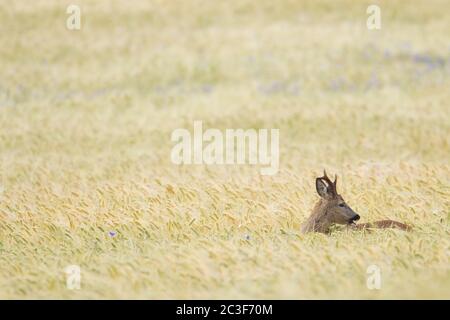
(86, 178)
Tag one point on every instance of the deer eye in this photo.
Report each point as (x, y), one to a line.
(341, 204)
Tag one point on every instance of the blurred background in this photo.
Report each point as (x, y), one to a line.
(86, 117)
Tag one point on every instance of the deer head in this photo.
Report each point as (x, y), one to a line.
(331, 209)
(336, 210)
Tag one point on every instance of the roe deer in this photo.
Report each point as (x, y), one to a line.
(332, 209)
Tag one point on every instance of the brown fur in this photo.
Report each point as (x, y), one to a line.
(320, 219)
(382, 224)
(331, 209)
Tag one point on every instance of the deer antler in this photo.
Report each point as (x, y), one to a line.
(332, 185)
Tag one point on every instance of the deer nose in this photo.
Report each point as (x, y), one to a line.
(356, 217)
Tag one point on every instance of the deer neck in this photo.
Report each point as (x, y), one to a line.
(318, 221)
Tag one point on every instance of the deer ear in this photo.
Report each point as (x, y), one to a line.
(322, 188)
